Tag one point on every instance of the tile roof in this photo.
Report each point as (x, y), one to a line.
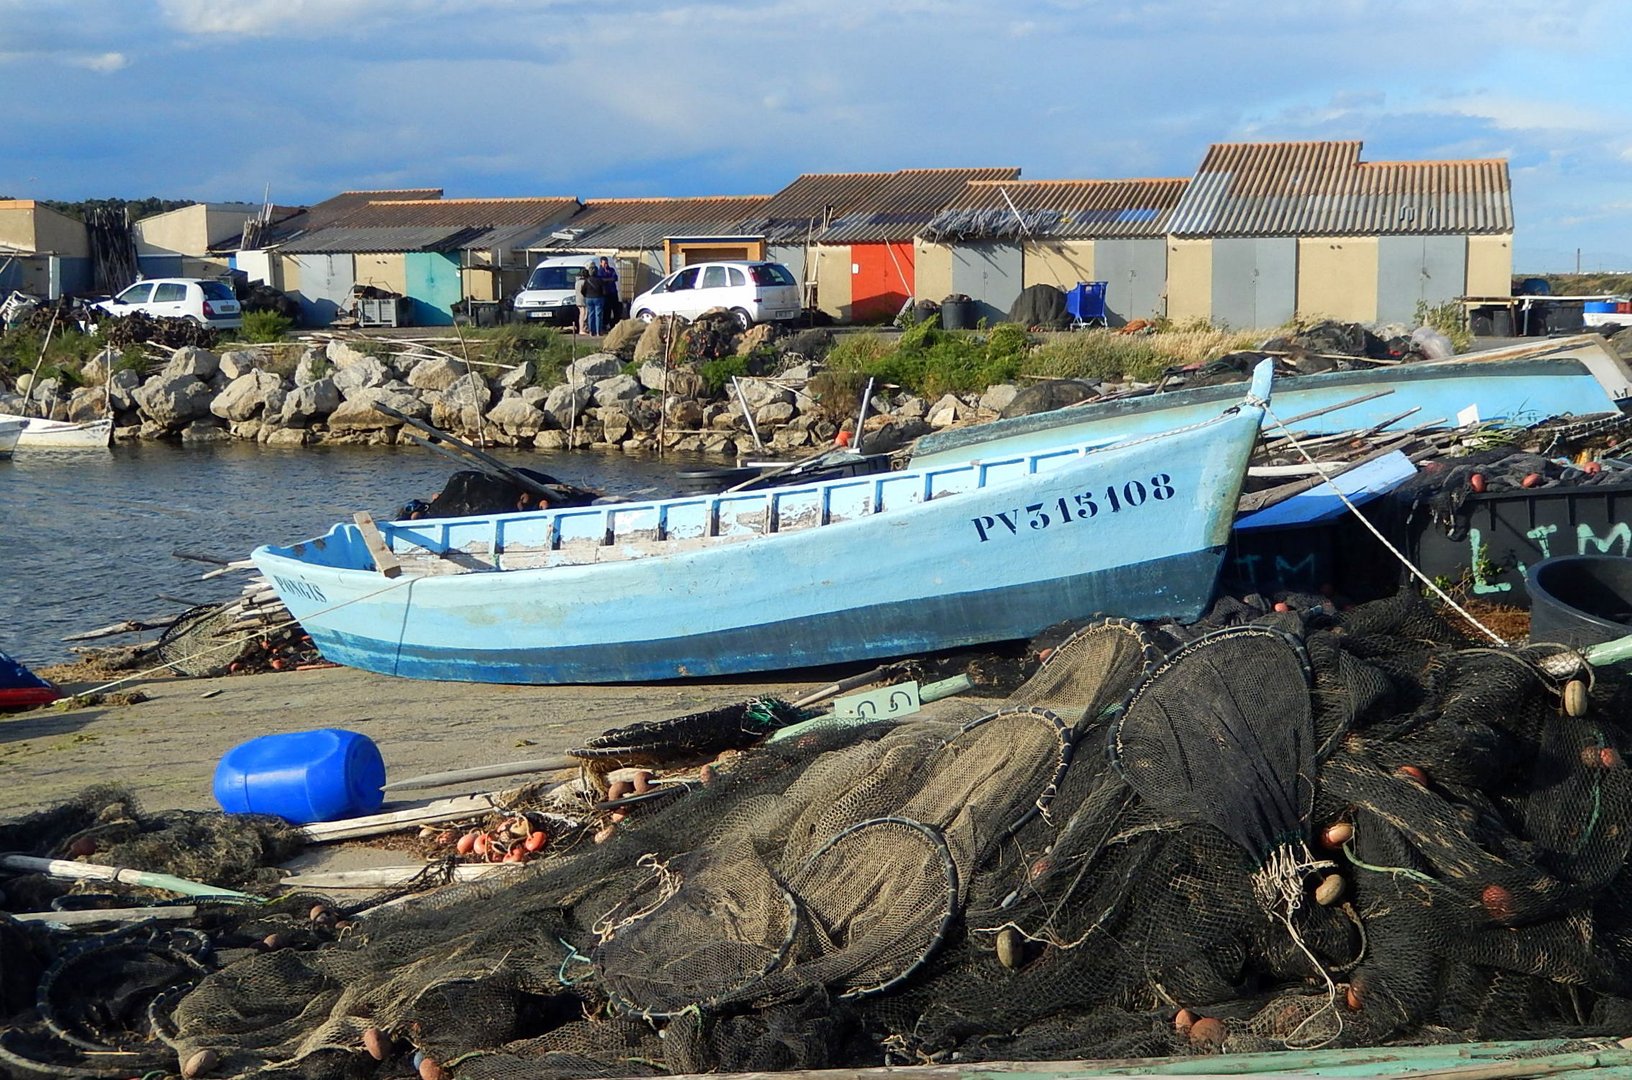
(899, 208)
(1058, 209)
(643, 224)
(330, 210)
(1324, 189)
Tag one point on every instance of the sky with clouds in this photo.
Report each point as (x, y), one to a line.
(227, 99)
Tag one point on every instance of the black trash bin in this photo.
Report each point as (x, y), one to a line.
(957, 314)
(1580, 600)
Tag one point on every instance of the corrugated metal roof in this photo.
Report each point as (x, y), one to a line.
(1324, 189)
(331, 210)
(904, 205)
(465, 213)
(1059, 209)
(643, 224)
(342, 239)
(804, 207)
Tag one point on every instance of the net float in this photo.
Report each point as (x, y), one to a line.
(520, 828)
(1184, 1021)
(1207, 1033)
(466, 844)
(1609, 757)
(1011, 948)
(1477, 483)
(514, 855)
(1337, 834)
(1531, 480)
(274, 942)
(1329, 890)
(1593, 468)
(1575, 698)
(1498, 903)
(1352, 997)
(706, 775)
(431, 1069)
(535, 841)
(619, 789)
(1282, 605)
(200, 1064)
(443, 839)
(377, 1043)
(605, 834)
(643, 782)
(619, 815)
(319, 913)
(1412, 772)
(81, 847)
(482, 844)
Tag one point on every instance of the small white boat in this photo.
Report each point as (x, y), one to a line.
(9, 431)
(61, 434)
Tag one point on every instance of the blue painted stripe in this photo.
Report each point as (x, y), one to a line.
(1180, 586)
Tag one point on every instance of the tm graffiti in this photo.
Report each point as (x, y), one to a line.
(1618, 540)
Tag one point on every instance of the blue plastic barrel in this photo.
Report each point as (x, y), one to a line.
(1599, 307)
(302, 776)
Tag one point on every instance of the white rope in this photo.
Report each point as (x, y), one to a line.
(1405, 562)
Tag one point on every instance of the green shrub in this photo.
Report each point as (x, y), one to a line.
(265, 326)
(717, 374)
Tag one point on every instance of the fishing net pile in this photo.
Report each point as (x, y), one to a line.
(1306, 830)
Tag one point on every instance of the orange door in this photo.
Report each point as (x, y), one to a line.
(881, 280)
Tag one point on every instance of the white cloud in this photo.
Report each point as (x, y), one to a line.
(102, 62)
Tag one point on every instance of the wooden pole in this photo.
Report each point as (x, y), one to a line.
(78, 871)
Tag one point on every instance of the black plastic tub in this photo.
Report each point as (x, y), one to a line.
(1581, 600)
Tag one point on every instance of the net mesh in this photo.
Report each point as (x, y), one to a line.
(987, 883)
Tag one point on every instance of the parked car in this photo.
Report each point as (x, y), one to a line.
(548, 295)
(209, 303)
(754, 292)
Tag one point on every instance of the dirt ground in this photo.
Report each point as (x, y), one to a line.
(166, 748)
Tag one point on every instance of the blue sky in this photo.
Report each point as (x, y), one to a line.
(223, 99)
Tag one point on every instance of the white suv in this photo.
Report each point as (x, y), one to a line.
(754, 292)
(209, 303)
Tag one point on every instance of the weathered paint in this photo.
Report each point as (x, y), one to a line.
(325, 287)
(1522, 390)
(906, 562)
(432, 287)
(1490, 265)
(386, 270)
(1418, 269)
(1255, 281)
(1136, 273)
(1058, 262)
(989, 274)
(882, 280)
(1189, 280)
(833, 279)
(1337, 278)
(933, 270)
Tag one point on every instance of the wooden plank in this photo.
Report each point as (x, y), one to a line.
(401, 818)
(385, 561)
(175, 913)
(384, 877)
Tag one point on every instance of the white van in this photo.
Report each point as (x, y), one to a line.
(548, 294)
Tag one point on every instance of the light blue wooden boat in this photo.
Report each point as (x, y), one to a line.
(1450, 392)
(849, 569)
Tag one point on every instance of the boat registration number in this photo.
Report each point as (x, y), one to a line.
(1083, 506)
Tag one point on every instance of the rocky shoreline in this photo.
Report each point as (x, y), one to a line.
(622, 397)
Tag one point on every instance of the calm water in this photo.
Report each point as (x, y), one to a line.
(85, 538)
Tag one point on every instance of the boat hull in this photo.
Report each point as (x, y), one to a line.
(1136, 530)
(62, 434)
(1464, 391)
(9, 432)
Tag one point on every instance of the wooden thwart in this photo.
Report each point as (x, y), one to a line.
(385, 560)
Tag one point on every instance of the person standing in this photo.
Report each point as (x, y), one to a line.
(612, 297)
(578, 289)
(595, 297)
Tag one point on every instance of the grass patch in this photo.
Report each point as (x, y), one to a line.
(1103, 354)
